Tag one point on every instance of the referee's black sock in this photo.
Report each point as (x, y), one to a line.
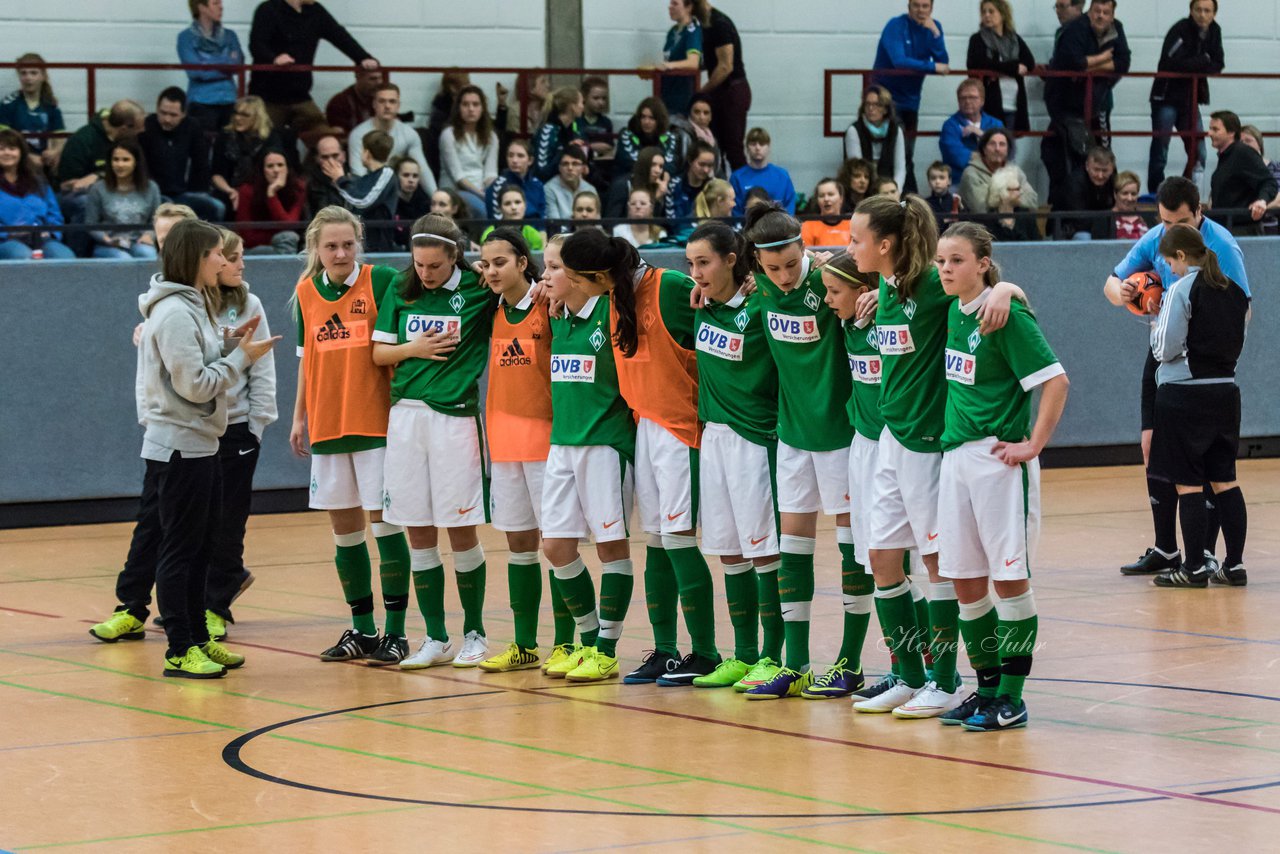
(1213, 523)
(1164, 513)
(1235, 524)
(1191, 513)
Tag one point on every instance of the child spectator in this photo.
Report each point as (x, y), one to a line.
(855, 176)
(640, 207)
(469, 149)
(372, 195)
(354, 104)
(681, 52)
(513, 213)
(694, 127)
(1129, 224)
(685, 188)
(886, 186)
(649, 171)
(26, 199)
(175, 147)
(325, 164)
(239, 145)
(562, 188)
(945, 204)
(595, 122)
(125, 196)
(211, 93)
(1004, 195)
(413, 201)
(716, 201)
(648, 126)
(519, 162)
(831, 228)
(560, 130)
(272, 194)
(32, 108)
(759, 172)
(586, 208)
(404, 139)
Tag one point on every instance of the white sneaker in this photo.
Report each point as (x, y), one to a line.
(475, 649)
(930, 701)
(888, 701)
(431, 654)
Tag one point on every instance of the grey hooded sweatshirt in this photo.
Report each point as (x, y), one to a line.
(253, 398)
(182, 375)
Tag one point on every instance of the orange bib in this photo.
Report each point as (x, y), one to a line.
(518, 403)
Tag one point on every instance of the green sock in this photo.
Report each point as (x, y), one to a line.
(740, 590)
(469, 574)
(944, 617)
(356, 574)
(617, 583)
(795, 590)
(1019, 625)
(524, 586)
(858, 587)
(661, 596)
(697, 599)
(562, 620)
(898, 619)
(921, 640)
(428, 586)
(770, 611)
(978, 627)
(579, 593)
(393, 572)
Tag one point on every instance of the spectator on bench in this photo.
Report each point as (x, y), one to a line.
(178, 154)
(271, 195)
(26, 199)
(354, 104)
(404, 139)
(513, 214)
(372, 195)
(595, 120)
(942, 200)
(649, 171)
(832, 226)
(1129, 223)
(559, 130)
(1004, 195)
(211, 93)
(1241, 180)
(1252, 137)
(518, 174)
(1092, 189)
(855, 176)
(960, 133)
(469, 149)
(876, 136)
(412, 202)
(759, 172)
(716, 201)
(995, 150)
(125, 196)
(640, 207)
(84, 159)
(562, 189)
(32, 108)
(697, 126)
(682, 192)
(238, 146)
(648, 126)
(324, 164)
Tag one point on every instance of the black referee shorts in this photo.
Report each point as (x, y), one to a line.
(1196, 434)
(1149, 391)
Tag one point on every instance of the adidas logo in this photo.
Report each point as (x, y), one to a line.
(333, 330)
(514, 356)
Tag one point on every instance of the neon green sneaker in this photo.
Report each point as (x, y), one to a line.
(219, 654)
(595, 667)
(763, 671)
(515, 657)
(119, 626)
(571, 659)
(559, 653)
(193, 664)
(725, 675)
(216, 625)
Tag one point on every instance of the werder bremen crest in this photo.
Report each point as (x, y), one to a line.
(597, 339)
(975, 338)
(740, 320)
(811, 300)
(456, 302)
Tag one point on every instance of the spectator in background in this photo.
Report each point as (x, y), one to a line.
(1241, 179)
(960, 133)
(650, 172)
(469, 149)
(726, 84)
(755, 196)
(640, 207)
(586, 209)
(125, 196)
(648, 126)
(174, 145)
(211, 93)
(450, 204)
(26, 199)
(84, 161)
(562, 189)
(162, 222)
(595, 122)
(287, 32)
(238, 145)
(324, 166)
(1067, 11)
(404, 139)
(944, 203)
(759, 172)
(1192, 46)
(1252, 137)
(681, 52)
(1129, 223)
(694, 127)
(683, 191)
(441, 108)
(910, 42)
(876, 135)
(270, 195)
(995, 151)
(855, 176)
(886, 186)
(518, 174)
(1004, 196)
(372, 195)
(1091, 190)
(513, 209)
(716, 201)
(354, 104)
(997, 47)
(831, 228)
(32, 108)
(412, 202)
(560, 130)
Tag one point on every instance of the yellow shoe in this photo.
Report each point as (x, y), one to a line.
(193, 664)
(216, 625)
(572, 658)
(559, 653)
(219, 654)
(515, 657)
(595, 667)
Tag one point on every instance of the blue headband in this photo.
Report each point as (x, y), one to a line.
(777, 243)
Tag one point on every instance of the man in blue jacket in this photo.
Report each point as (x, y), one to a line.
(910, 42)
(960, 133)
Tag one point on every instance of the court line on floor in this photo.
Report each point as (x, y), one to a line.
(87, 741)
(1098, 624)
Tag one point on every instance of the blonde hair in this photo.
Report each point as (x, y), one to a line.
(330, 215)
(1127, 177)
(237, 298)
(1001, 180)
(170, 210)
(262, 126)
(716, 190)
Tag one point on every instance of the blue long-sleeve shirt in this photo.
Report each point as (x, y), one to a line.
(36, 208)
(221, 48)
(1145, 255)
(904, 44)
(956, 147)
(773, 178)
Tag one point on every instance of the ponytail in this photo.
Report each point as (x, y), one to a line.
(979, 239)
(1187, 240)
(769, 226)
(431, 230)
(592, 252)
(724, 241)
(911, 224)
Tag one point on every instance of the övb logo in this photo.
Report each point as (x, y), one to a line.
(894, 340)
(961, 367)
(573, 369)
(719, 343)
(418, 325)
(865, 369)
(795, 330)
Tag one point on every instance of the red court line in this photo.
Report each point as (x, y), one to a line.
(38, 614)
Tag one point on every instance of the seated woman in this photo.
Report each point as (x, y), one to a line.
(649, 126)
(1130, 224)
(26, 199)
(639, 207)
(271, 195)
(449, 203)
(1004, 195)
(413, 201)
(697, 126)
(716, 201)
(125, 197)
(469, 149)
(856, 177)
(995, 151)
(586, 210)
(513, 214)
(831, 228)
(648, 171)
(238, 145)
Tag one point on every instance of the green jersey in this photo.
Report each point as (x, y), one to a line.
(737, 379)
(863, 349)
(813, 377)
(913, 335)
(990, 377)
(586, 406)
(462, 310)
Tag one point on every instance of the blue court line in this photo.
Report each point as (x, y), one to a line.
(104, 741)
(1161, 631)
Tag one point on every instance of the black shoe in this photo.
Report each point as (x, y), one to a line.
(391, 650)
(1232, 576)
(351, 646)
(975, 705)
(1152, 562)
(1001, 714)
(244, 585)
(655, 664)
(1183, 577)
(690, 667)
(876, 688)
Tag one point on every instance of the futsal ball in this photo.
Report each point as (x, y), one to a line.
(1147, 293)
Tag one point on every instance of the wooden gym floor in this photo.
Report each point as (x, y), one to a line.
(1155, 721)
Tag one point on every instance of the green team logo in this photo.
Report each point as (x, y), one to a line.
(975, 338)
(231, 315)
(740, 320)
(597, 339)
(314, 486)
(456, 302)
(811, 300)
(873, 340)
(909, 308)
(386, 500)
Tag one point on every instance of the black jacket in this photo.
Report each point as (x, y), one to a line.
(1076, 43)
(1241, 179)
(982, 59)
(278, 29)
(178, 160)
(1189, 51)
(1084, 195)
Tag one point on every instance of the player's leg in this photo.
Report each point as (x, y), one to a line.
(334, 488)
(1161, 494)
(661, 591)
(512, 493)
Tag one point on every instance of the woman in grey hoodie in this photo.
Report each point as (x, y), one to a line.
(182, 381)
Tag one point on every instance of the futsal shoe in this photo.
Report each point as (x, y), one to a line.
(691, 667)
(515, 657)
(1232, 576)
(888, 700)
(787, 683)
(119, 626)
(193, 664)
(219, 654)
(761, 672)
(1182, 577)
(475, 649)
(930, 701)
(726, 674)
(976, 704)
(838, 681)
(391, 650)
(885, 682)
(564, 658)
(653, 665)
(1001, 714)
(1210, 562)
(595, 667)
(1151, 562)
(350, 647)
(216, 625)
(431, 653)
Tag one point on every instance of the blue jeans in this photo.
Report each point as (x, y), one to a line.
(206, 206)
(1165, 117)
(137, 250)
(476, 203)
(16, 250)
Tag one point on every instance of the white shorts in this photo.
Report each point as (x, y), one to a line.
(435, 469)
(735, 480)
(343, 481)
(586, 491)
(992, 518)
(515, 495)
(809, 481)
(664, 480)
(904, 509)
(863, 454)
